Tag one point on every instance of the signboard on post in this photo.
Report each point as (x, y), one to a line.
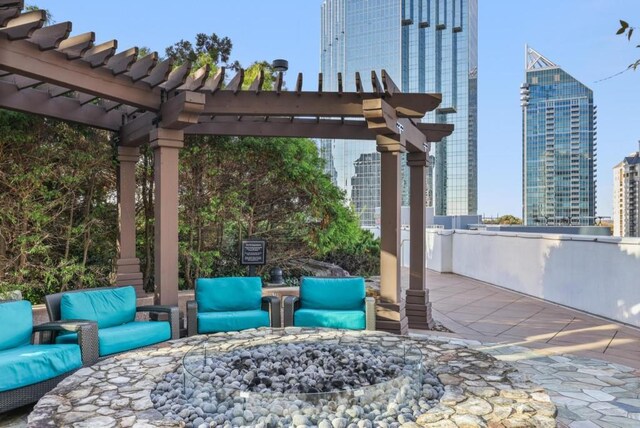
(253, 252)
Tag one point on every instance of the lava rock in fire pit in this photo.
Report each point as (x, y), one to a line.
(298, 384)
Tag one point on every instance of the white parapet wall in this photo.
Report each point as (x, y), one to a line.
(599, 275)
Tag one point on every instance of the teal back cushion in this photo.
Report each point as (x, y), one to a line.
(345, 294)
(228, 294)
(16, 323)
(107, 307)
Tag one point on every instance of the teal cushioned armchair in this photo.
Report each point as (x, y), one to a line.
(331, 303)
(231, 304)
(28, 370)
(114, 310)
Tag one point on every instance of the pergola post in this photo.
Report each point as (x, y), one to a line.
(128, 265)
(391, 314)
(418, 305)
(166, 145)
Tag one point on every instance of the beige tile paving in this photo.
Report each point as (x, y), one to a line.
(479, 311)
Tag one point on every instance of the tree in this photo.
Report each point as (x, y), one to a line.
(58, 217)
(504, 219)
(207, 49)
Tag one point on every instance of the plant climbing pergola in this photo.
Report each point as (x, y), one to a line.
(46, 72)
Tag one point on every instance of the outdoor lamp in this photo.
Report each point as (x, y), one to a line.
(275, 276)
(280, 65)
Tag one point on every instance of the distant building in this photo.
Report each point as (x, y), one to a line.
(559, 146)
(626, 196)
(365, 187)
(425, 46)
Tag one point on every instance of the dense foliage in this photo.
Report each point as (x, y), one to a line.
(58, 220)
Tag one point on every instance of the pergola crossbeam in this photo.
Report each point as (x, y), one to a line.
(24, 58)
(215, 82)
(142, 67)
(197, 81)
(390, 87)
(86, 98)
(256, 85)
(99, 55)
(375, 83)
(122, 61)
(177, 77)
(7, 14)
(159, 73)
(56, 91)
(134, 133)
(359, 88)
(36, 101)
(76, 46)
(12, 3)
(348, 104)
(24, 25)
(26, 82)
(50, 37)
(299, 83)
(236, 83)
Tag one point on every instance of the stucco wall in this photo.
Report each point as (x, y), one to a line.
(600, 275)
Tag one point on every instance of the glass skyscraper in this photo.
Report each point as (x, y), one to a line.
(425, 46)
(559, 150)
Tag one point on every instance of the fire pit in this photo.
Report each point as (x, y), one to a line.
(386, 381)
(280, 381)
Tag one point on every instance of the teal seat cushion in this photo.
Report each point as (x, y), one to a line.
(26, 365)
(126, 336)
(212, 322)
(229, 294)
(107, 307)
(352, 320)
(345, 294)
(18, 316)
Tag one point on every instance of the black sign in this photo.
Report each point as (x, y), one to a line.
(253, 252)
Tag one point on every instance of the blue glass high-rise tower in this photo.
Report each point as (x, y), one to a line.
(559, 146)
(425, 46)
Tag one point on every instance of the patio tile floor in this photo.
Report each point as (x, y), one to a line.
(589, 365)
(479, 311)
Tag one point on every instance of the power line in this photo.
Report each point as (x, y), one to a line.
(615, 75)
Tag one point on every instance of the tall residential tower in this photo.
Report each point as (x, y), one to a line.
(559, 150)
(626, 196)
(425, 46)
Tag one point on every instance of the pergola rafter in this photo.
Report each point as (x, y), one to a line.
(45, 71)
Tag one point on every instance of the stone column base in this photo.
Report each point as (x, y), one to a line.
(128, 273)
(418, 309)
(392, 317)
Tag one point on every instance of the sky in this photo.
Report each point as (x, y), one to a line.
(578, 35)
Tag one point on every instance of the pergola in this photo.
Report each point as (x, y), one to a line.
(46, 72)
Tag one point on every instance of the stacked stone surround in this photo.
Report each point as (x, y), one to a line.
(478, 389)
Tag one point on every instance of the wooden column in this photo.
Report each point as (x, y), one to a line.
(128, 265)
(166, 144)
(418, 306)
(391, 314)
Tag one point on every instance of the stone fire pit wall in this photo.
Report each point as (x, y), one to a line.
(474, 388)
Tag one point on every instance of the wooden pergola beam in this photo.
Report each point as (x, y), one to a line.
(135, 132)
(284, 127)
(25, 58)
(39, 102)
(348, 104)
